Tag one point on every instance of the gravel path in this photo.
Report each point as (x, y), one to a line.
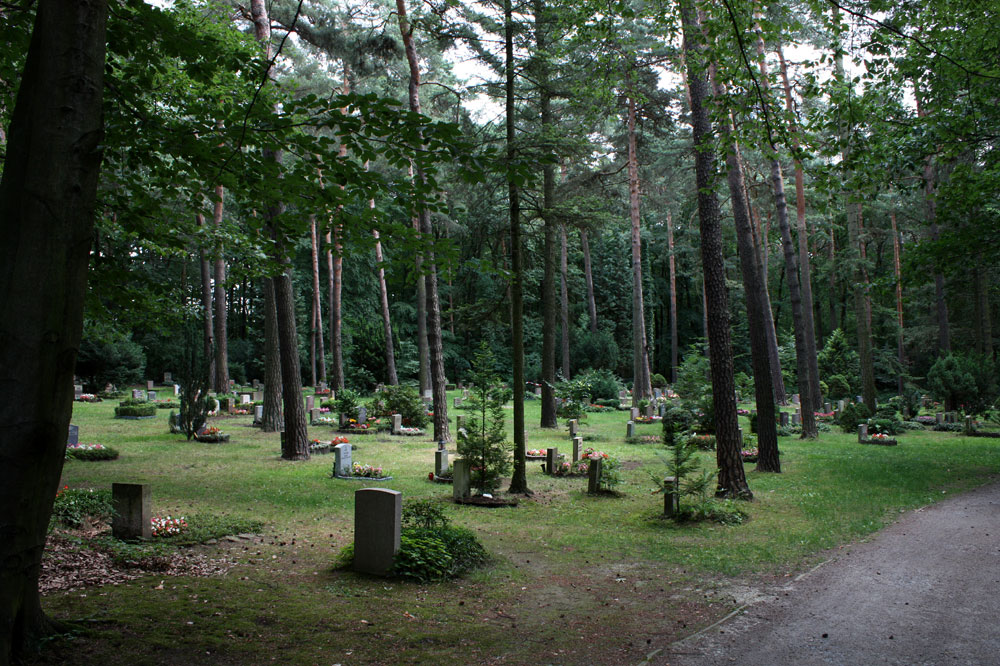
(925, 590)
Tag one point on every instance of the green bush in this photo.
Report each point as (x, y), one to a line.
(597, 351)
(108, 356)
(133, 402)
(427, 554)
(348, 401)
(838, 358)
(424, 513)
(886, 426)
(613, 403)
(103, 453)
(853, 414)
(838, 387)
(75, 505)
(963, 381)
(136, 411)
(724, 512)
(604, 385)
(402, 400)
(753, 423)
(703, 442)
(658, 380)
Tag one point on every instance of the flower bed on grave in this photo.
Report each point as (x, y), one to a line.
(880, 438)
(749, 455)
(925, 419)
(369, 427)
(168, 526)
(406, 431)
(326, 421)
(89, 397)
(211, 435)
(365, 472)
(647, 419)
(569, 469)
(447, 476)
(535, 454)
(84, 451)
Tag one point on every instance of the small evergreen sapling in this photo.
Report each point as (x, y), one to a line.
(483, 440)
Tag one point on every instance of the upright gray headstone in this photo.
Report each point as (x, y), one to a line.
(440, 462)
(784, 418)
(149, 384)
(77, 391)
(457, 402)
(245, 399)
(310, 402)
(671, 497)
(633, 413)
(827, 408)
(795, 398)
(151, 396)
(137, 394)
(73, 437)
(862, 432)
(594, 471)
(538, 390)
(649, 410)
(378, 514)
(577, 447)
(465, 394)
(258, 396)
(939, 417)
(232, 383)
(796, 419)
(573, 427)
(968, 424)
(362, 415)
(397, 423)
(630, 430)
(322, 386)
(168, 378)
(461, 478)
(258, 413)
(428, 395)
(551, 460)
(342, 460)
(741, 436)
(313, 415)
(132, 518)
(256, 384)
(841, 404)
(662, 409)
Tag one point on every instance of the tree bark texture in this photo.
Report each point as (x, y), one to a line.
(641, 385)
(221, 312)
(672, 265)
(564, 301)
(208, 346)
(768, 459)
(434, 344)
(589, 278)
(774, 359)
(271, 416)
(900, 356)
(47, 200)
(319, 357)
(863, 312)
(731, 478)
(390, 354)
(336, 314)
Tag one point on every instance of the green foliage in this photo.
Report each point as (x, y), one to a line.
(683, 464)
(348, 401)
(204, 526)
(744, 384)
(676, 422)
(73, 506)
(484, 440)
(135, 410)
(853, 414)
(838, 387)
(428, 554)
(596, 351)
(838, 359)
(402, 400)
(108, 356)
(703, 442)
(695, 389)
(723, 512)
(658, 380)
(884, 426)
(965, 381)
(425, 513)
(103, 453)
(604, 385)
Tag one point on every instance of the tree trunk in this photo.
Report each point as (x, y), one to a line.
(336, 261)
(221, 334)
(319, 356)
(390, 354)
(47, 200)
(564, 302)
(863, 312)
(731, 479)
(423, 372)
(805, 267)
(519, 478)
(589, 277)
(271, 420)
(438, 381)
(641, 387)
(208, 347)
(672, 264)
(768, 459)
(899, 301)
(774, 359)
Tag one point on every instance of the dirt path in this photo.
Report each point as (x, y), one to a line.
(925, 590)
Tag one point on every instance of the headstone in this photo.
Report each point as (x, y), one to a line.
(342, 460)
(968, 424)
(457, 402)
(538, 390)
(232, 383)
(397, 423)
(461, 478)
(258, 396)
(137, 394)
(551, 460)
(657, 393)
(177, 390)
(322, 386)
(662, 410)
(73, 437)
(795, 398)
(594, 471)
(862, 432)
(859, 399)
(622, 395)
(428, 394)
(256, 384)
(784, 419)
(151, 396)
(440, 462)
(465, 394)
(149, 384)
(343, 420)
(245, 398)
(132, 518)
(577, 446)
(310, 402)
(796, 419)
(168, 378)
(671, 497)
(841, 404)
(362, 415)
(77, 391)
(630, 430)
(649, 410)
(378, 514)
(258, 414)
(952, 417)
(827, 408)
(573, 427)
(939, 417)
(313, 415)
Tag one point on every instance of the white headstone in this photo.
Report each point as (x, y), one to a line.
(397, 423)
(342, 460)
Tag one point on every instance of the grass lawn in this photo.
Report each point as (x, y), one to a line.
(575, 579)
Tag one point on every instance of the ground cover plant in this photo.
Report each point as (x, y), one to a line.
(646, 579)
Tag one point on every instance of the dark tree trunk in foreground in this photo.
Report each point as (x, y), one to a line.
(767, 432)
(208, 347)
(47, 195)
(221, 334)
(519, 478)
(271, 416)
(434, 344)
(732, 480)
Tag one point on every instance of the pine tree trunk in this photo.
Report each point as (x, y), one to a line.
(519, 478)
(294, 442)
(731, 478)
(390, 354)
(336, 316)
(564, 301)
(863, 312)
(774, 359)
(436, 351)
(47, 200)
(641, 387)
(208, 347)
(589, 278)
(320, 355)
(900, 356)
(271, 420)
(768, 459)
(672, 264)
(221, 313)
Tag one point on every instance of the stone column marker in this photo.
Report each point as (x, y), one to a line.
(594, 471)
(377, 523)
(573, 427)
(397, 423)
(440, 462)
(630, 430)
(133, 511)
(634, 413)
(671, 497)
(862, 432)
(551, 460)
(577, 448)
(461, 478)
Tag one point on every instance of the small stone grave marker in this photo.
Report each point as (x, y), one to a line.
(440, 462)
(649, 410)
(594, 471)
(177, 389)
(151, 396)
(258, 396)
(428, 395)
(245, 399)
(461, 479)
(796, 419)
(137, 394)
(634, 413)
(827, 408)
(377, 523)
(73, 436)
(862, 432)
(538, 390)
(342, 460)
(256, 384)
(671, 497)
(313, 416)
(573, 427)
(551, 460)
(362, 415)
(149, 384)
(577, 446)
(841, 404)
(939, 417)
(630, 430)
(310, 402)
(397, 423)
(258, 414)
(968, 424)
(795, 398)
(457, 402)
(133, 511)
(784, 419)
(77, 391)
